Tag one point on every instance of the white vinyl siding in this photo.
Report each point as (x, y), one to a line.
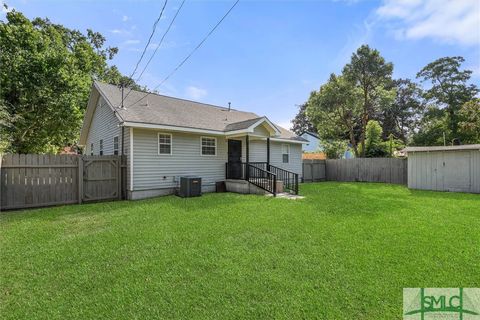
(104, 126)
(164, 144)
(258, 153)
(153, 172)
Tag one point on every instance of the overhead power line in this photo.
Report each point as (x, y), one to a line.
(190, 54)
(149, 39)
(157, 47)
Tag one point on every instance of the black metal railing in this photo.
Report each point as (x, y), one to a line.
(289, 179)
(260, 170)
(257, 176)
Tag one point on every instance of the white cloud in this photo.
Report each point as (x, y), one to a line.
(125, 18)
(447, 21)
(130, 42)
(195, 93)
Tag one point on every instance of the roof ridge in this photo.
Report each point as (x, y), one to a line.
(176, 98)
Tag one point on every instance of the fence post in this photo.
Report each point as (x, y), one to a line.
(80, 179)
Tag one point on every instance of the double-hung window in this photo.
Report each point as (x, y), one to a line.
(285, 153)
(209, 146)
(115, 145)
(101, 147)
(91, 149)
(164, 143)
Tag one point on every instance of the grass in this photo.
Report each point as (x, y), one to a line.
(346, 251)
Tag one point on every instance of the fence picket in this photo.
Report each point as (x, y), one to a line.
(32, 180)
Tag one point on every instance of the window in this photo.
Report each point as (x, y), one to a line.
(115, 145)
(91, 149)
(164, 143)
(100, 150)
(285, 152)
(209, 146)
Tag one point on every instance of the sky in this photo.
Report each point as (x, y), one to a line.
(267, 56)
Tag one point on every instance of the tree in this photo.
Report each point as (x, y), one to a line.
(432, 128)
(45, 88)
(369, 72)
(113, 76)
(449, 90)
(334, 149)
(401, 118)
(300, 123)
(469, 116)
(374, 145)
(335, 111)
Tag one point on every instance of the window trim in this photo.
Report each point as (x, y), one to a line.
(158, 144)
(118, 145)
(100, 147)
(288, 152)
(201, 146)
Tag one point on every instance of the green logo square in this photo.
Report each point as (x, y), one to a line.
(441, 303)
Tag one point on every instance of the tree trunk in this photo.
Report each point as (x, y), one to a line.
(364, 119)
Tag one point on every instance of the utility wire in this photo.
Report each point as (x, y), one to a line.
(154, 28)
(150, 38)
(190, 54)
(156, 49)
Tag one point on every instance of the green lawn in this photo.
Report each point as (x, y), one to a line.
(344, 252)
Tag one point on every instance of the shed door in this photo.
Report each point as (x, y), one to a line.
(457, 171)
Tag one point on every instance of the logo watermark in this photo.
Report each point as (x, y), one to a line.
(441, 303)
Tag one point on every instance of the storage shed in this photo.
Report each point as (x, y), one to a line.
(449, 168)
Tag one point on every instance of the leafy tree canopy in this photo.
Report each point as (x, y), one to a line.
(372, 75)
(301, 123)
(336, 110)
(470, 121)
(45, 88)
(449, 91)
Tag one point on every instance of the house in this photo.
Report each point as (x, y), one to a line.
(164, 138)
(313, 144)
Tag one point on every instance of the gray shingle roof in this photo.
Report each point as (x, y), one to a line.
(164, 110)
(241, 125)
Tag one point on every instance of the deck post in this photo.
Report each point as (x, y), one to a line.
(247, 160)
(268, 154)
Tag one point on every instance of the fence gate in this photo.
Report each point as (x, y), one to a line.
(101, 178)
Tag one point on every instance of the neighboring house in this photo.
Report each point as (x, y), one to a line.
(164, 138)
(313, 144)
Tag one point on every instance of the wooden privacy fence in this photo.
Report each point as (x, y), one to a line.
(32, 180)
(313, 170)
(387, 170)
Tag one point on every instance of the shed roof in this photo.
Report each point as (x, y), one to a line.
(443, 148)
